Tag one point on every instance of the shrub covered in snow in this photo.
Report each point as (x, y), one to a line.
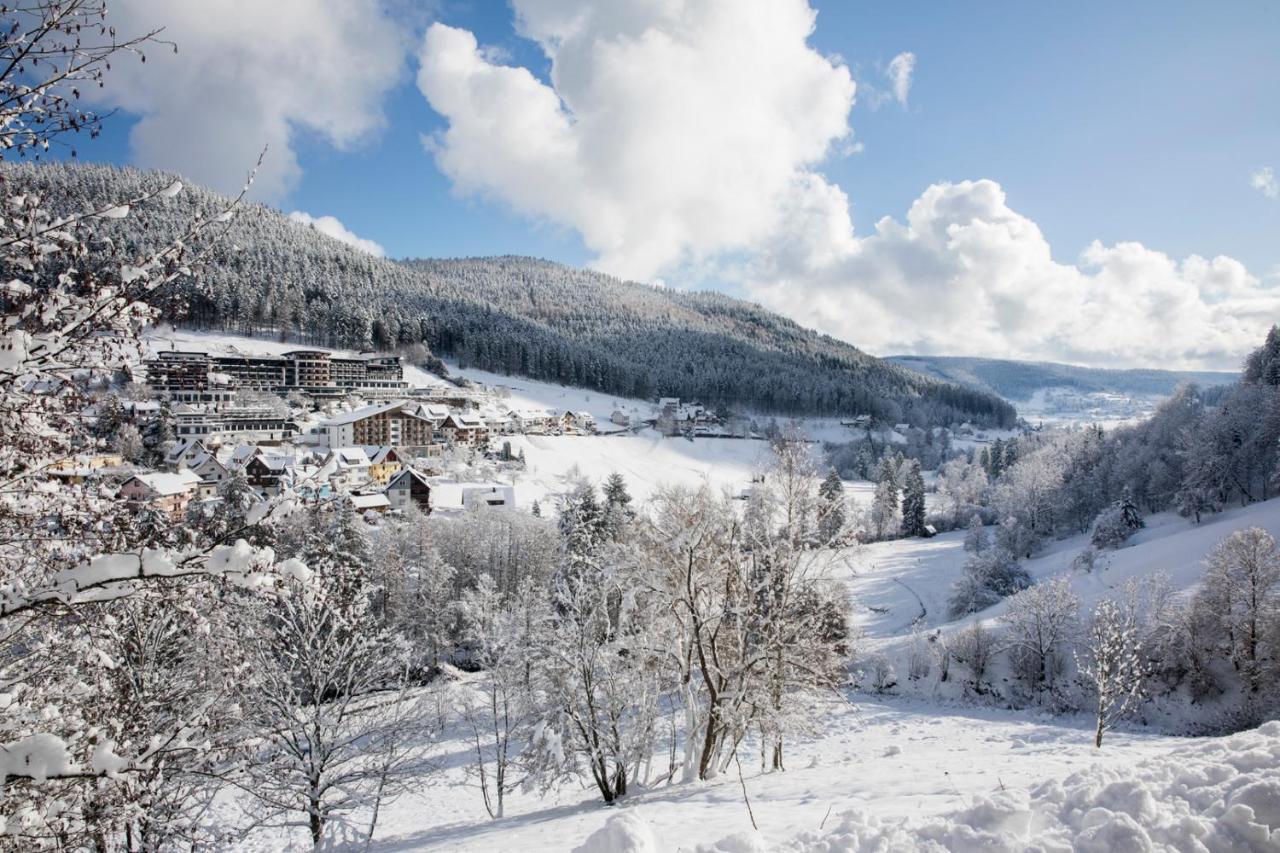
(1115, 524)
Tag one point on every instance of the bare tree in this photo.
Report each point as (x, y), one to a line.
(499, 704)
(1113, 665)
(1242, 591)
(325, 694)
(975, 648)
(1043, 621)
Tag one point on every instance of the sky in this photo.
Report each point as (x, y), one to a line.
(1090, 182)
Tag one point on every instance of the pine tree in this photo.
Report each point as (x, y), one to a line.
(831, 511)
(884, 508)
(996, 461)
(913, 512)
(615, 491)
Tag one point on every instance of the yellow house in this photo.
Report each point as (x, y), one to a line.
(384, 464)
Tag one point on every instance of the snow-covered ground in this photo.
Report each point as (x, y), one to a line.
(966, 776)
(647, 460)
(893, 759)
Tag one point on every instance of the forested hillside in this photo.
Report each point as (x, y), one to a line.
(511, 315)
(1018, 380)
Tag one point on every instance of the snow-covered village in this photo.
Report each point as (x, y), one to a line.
(681, 426)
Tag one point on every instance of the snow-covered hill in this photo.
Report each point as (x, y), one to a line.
(904, 583)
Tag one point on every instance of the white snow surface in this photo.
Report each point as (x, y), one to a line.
(1222, 794)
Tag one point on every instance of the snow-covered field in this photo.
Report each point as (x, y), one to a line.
(894, 760)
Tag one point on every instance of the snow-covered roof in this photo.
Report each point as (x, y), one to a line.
(362, 413)
(241, 454)
(377, 500)
(350, 457)
(466, 419)
(433, 411)
(165, 484)
(380, 455)
(405, 474)
(182, 447)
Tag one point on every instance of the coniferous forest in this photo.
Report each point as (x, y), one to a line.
(512, 315)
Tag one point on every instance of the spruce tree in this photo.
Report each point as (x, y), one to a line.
(913, 514)
(884, 508)
(831, 515)
(615, 491)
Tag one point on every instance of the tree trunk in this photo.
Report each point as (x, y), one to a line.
(1097, 738)
(316, 823)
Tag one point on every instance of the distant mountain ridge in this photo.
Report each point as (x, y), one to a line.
(518, 316)
(1018, 380)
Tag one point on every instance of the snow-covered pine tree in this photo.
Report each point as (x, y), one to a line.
(913, 511)
(884, 506)
(831, 508)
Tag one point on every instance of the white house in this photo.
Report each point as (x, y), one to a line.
(210, 469)
(531, 421)
(346, 467)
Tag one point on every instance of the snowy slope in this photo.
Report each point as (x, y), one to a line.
(903, 577)
(966, 776)
(899, 773)
(896, 760)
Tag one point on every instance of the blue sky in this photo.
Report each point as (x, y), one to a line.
(1113, 122)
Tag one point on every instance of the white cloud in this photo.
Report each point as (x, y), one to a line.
(684, 137)
(669, 132)
(899, 73)
(332, 227)
(250, 73)
(967, 275)
(1264, 180)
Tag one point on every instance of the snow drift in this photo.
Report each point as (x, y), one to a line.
(1217, 794)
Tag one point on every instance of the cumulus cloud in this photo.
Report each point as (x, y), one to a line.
(669, 132)
(330, 226)
(899, 72)
(1264, 180)
(682, 137)
(248, 74)
(966, 274)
